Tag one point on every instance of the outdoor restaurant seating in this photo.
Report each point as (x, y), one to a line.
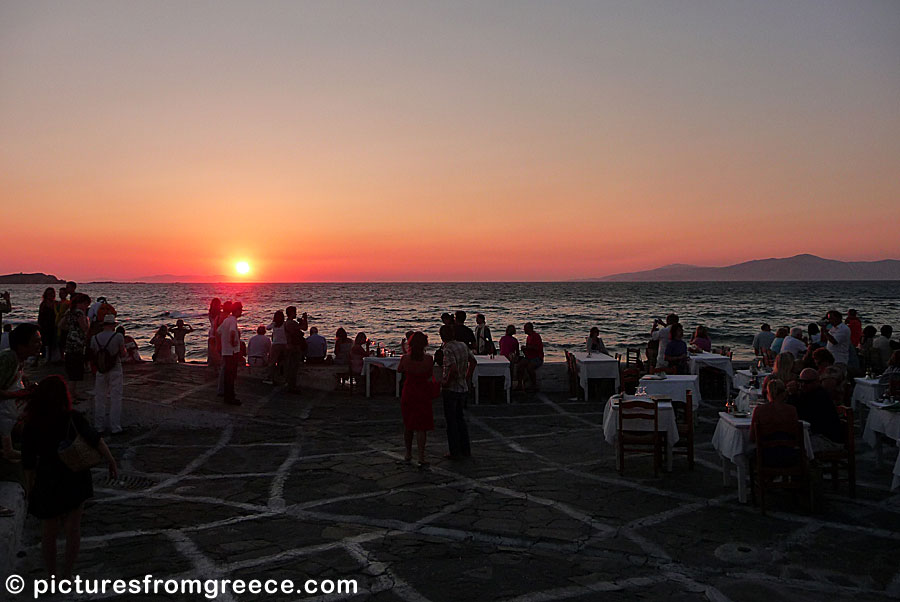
(844, 458)
(639, 440)
(781, 463)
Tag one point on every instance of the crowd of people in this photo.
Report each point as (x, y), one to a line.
(852, 349)
(809, 378)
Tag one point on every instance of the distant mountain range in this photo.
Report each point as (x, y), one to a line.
(798, 267)
(37, 278)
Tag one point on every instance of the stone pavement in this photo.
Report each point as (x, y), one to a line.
(314, 486)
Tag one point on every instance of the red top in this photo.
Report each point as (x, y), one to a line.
(855, 326)
(534, 346)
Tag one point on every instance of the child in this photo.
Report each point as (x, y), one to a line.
(179, 332)
(404, 344)
(162, 343)
(132, 353)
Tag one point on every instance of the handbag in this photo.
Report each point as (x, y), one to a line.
(77, 454)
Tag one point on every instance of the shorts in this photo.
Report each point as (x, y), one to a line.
(75, 366)
(535, 362)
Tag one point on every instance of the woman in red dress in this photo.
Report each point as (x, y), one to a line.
(418, 391)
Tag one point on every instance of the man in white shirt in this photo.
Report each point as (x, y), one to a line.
(109, 381)
(258, 349)
(837, 338)
(794, 343)
(92, 310)
(316, 347)
(763, 339)
(664, 335)
(231, 350)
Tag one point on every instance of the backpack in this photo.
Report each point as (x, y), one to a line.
(106, 360)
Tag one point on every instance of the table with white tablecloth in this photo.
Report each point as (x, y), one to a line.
(674, 386)
(597, 365)
(881, 424)
(732, 441)
(866, 390)
(492, 366)
(390, 363)
(712, 360)
(744, 378)
(667, 423)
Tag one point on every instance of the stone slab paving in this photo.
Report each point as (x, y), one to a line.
(314, 486)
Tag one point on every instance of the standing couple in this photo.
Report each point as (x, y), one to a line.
(421, 387)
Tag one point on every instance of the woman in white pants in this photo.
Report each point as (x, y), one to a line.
(109, 349)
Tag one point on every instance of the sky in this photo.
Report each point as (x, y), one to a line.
(464, 141)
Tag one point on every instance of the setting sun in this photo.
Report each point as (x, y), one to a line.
(242, 267)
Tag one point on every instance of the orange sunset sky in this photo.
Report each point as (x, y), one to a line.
(345, 141)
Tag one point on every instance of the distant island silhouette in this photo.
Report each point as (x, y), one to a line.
(35, 278)
(803, 267)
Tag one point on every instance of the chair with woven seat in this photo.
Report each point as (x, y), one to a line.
(781, 463)
(842, 458)
(630, 440)
(684, 419)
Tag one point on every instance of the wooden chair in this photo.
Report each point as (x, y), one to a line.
(768, 357)
(633, 358)
(630, 374)
(684, 418)
(793, 472)
(843, 458)
(894, 387)
(572, 368)
(639, 441)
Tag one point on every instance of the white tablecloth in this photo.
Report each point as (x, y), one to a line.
(498, 366)
(667, 424)
(713, 360)
(385, 362)
(743, 378)
(732, 441)
(599, 365)
(866, 390)
(675, 386)
(887, 424)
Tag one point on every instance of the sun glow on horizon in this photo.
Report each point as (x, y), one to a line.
(242, 268)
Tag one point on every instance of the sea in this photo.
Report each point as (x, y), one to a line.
(562, 312)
